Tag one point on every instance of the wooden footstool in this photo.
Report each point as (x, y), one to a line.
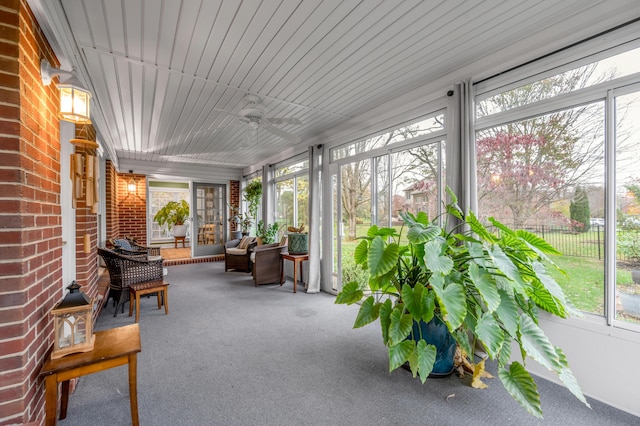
(140, 289)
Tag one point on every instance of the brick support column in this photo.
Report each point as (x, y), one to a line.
(30, 215)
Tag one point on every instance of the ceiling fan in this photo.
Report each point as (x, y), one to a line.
(254, 118)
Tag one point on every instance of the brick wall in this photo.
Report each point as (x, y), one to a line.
(132, 207)
(234, 199)
(111, 201)
(30, 218)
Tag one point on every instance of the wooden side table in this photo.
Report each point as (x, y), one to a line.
(175, 241)
(112, 348)
(297, 259)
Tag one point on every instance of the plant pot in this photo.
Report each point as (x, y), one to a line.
(236, 235)
(298, 243)
(436, 333)
(630, 303)
(179, 230)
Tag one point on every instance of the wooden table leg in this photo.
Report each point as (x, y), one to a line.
(165, 293)
(64, 400)
(281, 272)
(133, 388)
(295, 276)
(51, 399)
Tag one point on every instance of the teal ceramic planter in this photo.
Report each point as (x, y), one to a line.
(298, 243)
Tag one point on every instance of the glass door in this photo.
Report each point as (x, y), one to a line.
(209, 218)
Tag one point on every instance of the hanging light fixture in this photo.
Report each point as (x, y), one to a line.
(75, 99)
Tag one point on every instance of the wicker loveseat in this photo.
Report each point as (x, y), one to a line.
(237, 254)
(125, 270)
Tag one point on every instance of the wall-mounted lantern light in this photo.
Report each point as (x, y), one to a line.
(132, 186)
(75, 99)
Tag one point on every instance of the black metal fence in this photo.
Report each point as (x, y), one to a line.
(584, 244)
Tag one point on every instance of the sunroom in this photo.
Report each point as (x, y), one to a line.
(349, 114)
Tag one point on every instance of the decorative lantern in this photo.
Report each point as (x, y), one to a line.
(73, 323)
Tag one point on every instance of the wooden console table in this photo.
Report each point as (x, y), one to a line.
(112, 348)
(297, 259)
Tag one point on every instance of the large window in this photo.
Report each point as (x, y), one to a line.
(546, 162)
(292, 194)
(160, 193)
(374, 179)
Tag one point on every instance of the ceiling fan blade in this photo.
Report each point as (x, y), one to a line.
(283, 120)
(278, 132)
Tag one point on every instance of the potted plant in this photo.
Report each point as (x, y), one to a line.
(267, 233)
(174, 214)
(252, 195)
(487, 288)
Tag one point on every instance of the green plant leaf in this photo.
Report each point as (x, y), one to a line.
(425, 356)
(374, 231)
(451, 300)
(486, 285)
(508, 268)
(490, 334)
(537, 242)
(568, 379)
(554, 288)
(360, 253)
(415, 300)
(400, 325)
(400, 353)
(462, 338)
(478, 228)
(420, 233)
(520, 385)
(433, 256)
(536, 344)
(545, 300)
(505, 352)
(368, 313)
(385, 320)
(350, 294)
(508, 313)
(382, 257)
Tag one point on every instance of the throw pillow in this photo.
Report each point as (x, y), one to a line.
(244, 242)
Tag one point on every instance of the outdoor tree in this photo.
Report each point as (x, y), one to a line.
(579, 210)
(525, 166)
(356, 176)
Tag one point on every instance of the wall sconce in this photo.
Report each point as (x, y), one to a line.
(132, 186)
(72, 323)
(75, 99)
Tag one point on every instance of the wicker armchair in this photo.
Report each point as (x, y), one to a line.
(237, 254)
(125, 270)
(130, 247)
(267, 264)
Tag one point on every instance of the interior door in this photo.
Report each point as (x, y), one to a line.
(208, 232)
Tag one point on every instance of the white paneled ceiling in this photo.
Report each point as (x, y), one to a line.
(165, 71)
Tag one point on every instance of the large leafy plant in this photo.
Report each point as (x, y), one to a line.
(487, 287)
(173, 213)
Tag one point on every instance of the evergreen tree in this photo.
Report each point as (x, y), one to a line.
(579, 210)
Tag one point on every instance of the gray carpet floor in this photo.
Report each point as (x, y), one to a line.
(229, 353)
